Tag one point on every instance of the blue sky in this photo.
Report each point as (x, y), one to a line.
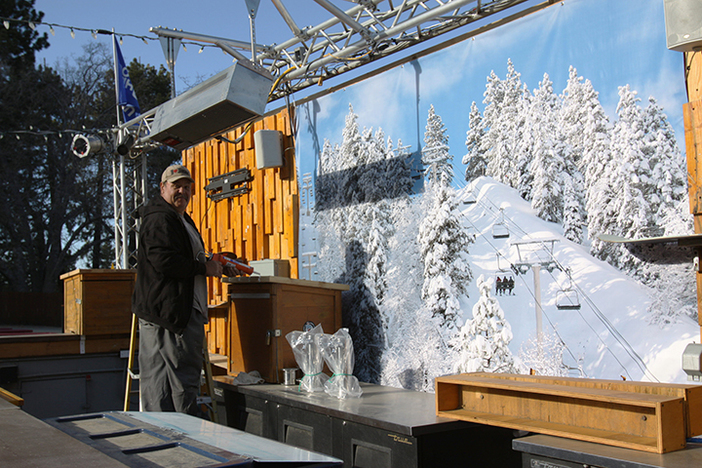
(610, 43)
(222, 18)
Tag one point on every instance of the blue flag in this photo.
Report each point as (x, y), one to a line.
(126, 97)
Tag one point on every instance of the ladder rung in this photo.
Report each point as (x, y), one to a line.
(204, 400)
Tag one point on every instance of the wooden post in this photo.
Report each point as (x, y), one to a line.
(692, 113)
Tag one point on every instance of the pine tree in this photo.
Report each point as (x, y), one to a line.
(360, 181)
(474, 159)
(632, 182)
(586, 132)
(572, 210)
(443, 241)
(483, 342)
(435, 155)
(523, 178)
(666, 162)
(548, 166)
(544, 356)
(501, 121)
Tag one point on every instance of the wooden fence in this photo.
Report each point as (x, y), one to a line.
(31, 308)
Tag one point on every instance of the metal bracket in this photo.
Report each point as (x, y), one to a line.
(272, 333)
(231, 184)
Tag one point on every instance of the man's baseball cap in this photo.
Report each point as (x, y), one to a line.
(176, 172)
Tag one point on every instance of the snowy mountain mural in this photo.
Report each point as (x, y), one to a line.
(540, 173)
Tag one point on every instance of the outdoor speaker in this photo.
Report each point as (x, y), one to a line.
(228, 99)
(683, 24)
(268, 145)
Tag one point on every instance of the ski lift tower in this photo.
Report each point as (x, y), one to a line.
(534, 255)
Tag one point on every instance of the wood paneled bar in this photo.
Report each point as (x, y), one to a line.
(259, 224)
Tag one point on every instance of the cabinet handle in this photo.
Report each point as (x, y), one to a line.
(271, 333)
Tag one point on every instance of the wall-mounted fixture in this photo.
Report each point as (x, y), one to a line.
(268, 145)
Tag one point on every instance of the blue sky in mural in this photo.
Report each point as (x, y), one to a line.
(609, 43)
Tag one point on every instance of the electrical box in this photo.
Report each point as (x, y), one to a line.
(269, 148)
(270, 267)
(692, 361)
(228, 99)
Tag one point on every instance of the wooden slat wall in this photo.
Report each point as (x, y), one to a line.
(261, 224)
(692, 113)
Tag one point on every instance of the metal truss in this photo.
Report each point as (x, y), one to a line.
(369, 31)
(129, 190)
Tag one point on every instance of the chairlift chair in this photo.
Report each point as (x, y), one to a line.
(567, 299)
(470, 199)
(499, 228)
(499, 231)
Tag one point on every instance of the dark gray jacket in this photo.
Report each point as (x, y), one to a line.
(166, 269)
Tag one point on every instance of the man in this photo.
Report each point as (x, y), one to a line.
(170, 298)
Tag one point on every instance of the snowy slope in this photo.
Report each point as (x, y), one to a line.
(609, 337)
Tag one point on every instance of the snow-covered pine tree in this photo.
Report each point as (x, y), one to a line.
(667, 164)
(586, 132)
(572, 210)
(363, 178)
(523, 178)
(483, 342)
(675, 285)
(501, 121)
(548, 166)
(544, 356)
(442, 238)
(474, 159)
(327, 209)
(436, 159)
(632, 182)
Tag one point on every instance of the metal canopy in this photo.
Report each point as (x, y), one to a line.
(368, 31)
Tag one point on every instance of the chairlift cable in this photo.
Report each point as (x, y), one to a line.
(610, 327)
(617, 336)
(598, 313)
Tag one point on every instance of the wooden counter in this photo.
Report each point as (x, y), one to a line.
(263, 309)
(98, 302)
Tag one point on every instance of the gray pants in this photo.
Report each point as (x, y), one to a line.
(170, 366)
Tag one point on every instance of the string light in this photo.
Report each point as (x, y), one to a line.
(40, 133)
(53, 26)
(7, 22)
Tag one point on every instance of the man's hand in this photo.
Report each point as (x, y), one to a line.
(231, 271)
(213, 268)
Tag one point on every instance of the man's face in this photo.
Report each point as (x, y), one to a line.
(177, 194)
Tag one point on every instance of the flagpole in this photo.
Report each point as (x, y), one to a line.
(116, 71)
(118, 175)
